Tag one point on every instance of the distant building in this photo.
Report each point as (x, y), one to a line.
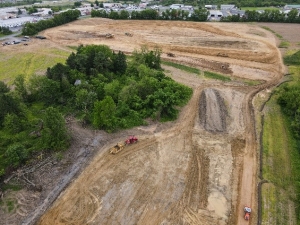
(215, 15)
(42, 12)
(210, 7)
(289, 7)
(187, 7)
(112, 5)
(227, 7)
(85, 10)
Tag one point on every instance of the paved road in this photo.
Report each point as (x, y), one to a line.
(11, 36)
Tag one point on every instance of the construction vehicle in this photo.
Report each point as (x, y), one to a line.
(131, 140)
(117, 148)
(108, 35)
(170, 54)
(247, 211)
(120, 146)
(129, 34)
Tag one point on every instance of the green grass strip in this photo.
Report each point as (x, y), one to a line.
(269, 29)
(216, 76)
(284, 44)
(182, 67)
(281, 167)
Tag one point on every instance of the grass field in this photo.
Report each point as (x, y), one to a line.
(281, 156)
(14, 64)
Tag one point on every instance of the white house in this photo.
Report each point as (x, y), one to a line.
(214, 15)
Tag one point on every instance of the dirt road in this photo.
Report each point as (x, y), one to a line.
(200, 169)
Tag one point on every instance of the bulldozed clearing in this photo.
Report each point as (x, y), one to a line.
(199, 169)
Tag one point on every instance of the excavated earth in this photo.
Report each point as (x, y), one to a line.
(199, 169)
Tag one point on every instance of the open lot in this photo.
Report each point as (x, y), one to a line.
(200, 169)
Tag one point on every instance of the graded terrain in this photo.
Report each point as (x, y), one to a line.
(201, 168)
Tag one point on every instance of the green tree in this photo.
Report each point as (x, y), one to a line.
(150, 58)
(5, 30)
(85, 99)
(104, 114)
(44, 90)
(54, 134)
(12, 123)
(292, 16)
(77, 4)
(32, 10)
(3, 88)
(15, 154)
(114, 15)
(58, 72)
(119, 62)
(20, 87)
(124, 15)
(112, 89)
(199, 15)
(8, 104)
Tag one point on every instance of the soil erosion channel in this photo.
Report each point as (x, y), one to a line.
(200, 169)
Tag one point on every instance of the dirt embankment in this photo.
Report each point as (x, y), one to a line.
(200, 169)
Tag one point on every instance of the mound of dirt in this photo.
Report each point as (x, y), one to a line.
(212, 112)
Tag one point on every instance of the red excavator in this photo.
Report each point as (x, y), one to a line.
(131, 140)
(247, 211)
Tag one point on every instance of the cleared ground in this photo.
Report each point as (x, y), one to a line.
(200, 169)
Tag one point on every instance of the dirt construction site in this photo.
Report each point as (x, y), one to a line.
(200, 169)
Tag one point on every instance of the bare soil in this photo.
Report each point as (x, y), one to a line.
(199, 169)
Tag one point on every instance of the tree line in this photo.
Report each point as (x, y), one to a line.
(57, 20)
(5, 31)
(289, 96)
(268, 15)
(151, 14)
(252, 3)
(100, 87)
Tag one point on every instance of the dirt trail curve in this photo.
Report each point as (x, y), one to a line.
(200, 169)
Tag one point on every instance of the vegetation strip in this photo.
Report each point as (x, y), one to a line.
(182, 67)
(280, 143)
(216, 76)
